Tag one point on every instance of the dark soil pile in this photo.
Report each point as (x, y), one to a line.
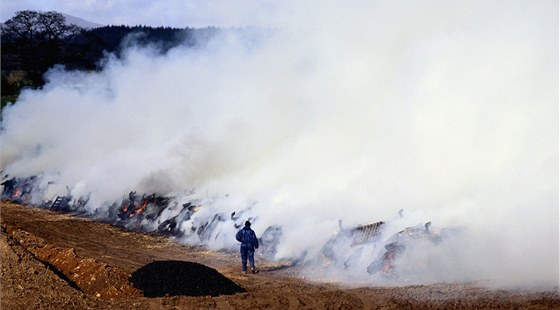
(173, 278)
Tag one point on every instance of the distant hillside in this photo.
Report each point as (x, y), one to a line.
(81, 22)
(77, 44)
(32, 42)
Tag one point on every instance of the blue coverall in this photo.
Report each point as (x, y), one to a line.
(249, 243)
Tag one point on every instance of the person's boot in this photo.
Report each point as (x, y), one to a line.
(253, 270)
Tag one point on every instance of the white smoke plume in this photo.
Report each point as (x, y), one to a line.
(347, 110)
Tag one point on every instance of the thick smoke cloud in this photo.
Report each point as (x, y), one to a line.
(446, 110)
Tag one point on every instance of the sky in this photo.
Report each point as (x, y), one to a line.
(173, 13)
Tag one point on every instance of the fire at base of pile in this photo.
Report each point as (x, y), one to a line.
(193, 221)
(197, 222)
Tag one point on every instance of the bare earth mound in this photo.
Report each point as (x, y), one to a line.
(53, 260)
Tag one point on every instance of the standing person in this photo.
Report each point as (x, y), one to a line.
(249, 243)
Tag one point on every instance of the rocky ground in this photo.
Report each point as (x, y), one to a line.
(52, 260)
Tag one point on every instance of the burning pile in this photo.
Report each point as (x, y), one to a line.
(172, 278)
(193, 219)
(144, 212)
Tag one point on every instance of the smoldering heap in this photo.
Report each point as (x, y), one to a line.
(173, 278)
(344, 112)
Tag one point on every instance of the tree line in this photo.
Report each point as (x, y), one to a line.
(32, 42)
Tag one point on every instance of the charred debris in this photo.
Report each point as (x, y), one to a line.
(162, 215)
(348, 244)
(151, 213)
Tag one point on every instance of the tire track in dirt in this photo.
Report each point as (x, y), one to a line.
(85, 274)
(23, 275)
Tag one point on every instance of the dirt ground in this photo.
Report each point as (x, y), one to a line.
(53, 260)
